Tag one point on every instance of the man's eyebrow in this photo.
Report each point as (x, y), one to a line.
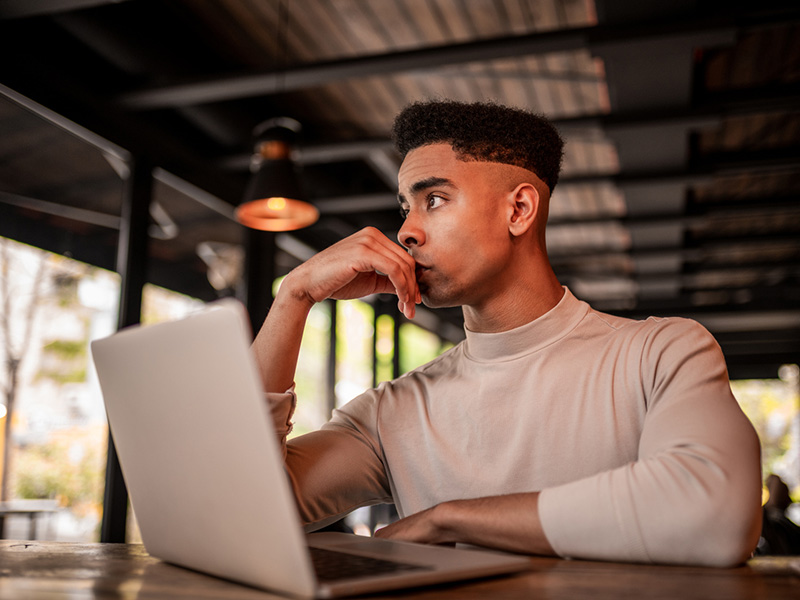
(424, 184)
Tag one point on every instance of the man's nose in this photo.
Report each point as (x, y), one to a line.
(411, 233)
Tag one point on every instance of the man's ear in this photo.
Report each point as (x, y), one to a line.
(525, 202)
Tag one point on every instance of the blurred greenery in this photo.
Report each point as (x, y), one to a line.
(62, 376)
(773, 407)
(64, 467)
(67, 348)
(311, 376)
(384, 347)
(65, 361)
(418, 346)
(65, 460)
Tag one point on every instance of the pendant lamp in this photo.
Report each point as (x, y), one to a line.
(274, 199)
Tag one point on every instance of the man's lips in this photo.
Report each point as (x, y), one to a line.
(420, 270)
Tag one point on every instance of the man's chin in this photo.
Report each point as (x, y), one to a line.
(432, 300)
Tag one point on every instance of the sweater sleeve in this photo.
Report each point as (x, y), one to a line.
(694, 494)
(336, 469)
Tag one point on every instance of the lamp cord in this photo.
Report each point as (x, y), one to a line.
(282, 42)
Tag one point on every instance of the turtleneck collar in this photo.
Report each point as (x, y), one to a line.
(533, 336)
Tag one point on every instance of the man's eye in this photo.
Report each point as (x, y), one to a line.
(435, 201)
(403, 212)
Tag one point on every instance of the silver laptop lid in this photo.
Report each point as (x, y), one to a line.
(221, 503)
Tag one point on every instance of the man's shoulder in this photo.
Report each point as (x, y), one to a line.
(645, 324)
(652, 334)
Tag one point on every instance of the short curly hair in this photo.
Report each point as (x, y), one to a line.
(483, 131)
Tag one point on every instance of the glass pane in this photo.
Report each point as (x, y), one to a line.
(354, 340)
(773, 406)
(312, 368)
(56, 432)
(159, 305)
(418, 346)
(384, 348)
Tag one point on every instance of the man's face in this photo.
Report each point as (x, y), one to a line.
(455, 225)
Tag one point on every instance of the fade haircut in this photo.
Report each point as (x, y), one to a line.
(483, 131)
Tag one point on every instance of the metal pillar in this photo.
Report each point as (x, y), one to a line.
(396, 317)
(376, 312)
(132, 269)
(259, 274)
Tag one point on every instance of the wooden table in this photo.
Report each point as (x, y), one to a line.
(55, 570)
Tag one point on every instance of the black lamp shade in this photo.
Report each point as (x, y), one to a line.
(274, 199)
(275, 178)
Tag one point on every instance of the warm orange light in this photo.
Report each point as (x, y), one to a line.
(276, 204)
(277, 214)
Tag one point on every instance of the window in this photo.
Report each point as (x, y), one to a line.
(55, 447)
(773, 406)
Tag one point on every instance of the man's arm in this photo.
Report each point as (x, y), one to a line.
(333, 471)
(365, 263)
(508, 523)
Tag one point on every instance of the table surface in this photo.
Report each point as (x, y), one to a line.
(53, 570)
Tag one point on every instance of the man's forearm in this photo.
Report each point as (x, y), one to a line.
(277, 345)
(504, 522)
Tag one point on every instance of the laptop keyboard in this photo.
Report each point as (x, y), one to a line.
(331, 565)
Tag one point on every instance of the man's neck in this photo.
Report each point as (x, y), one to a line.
(517, 306)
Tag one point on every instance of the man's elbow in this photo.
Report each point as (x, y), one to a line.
(726, 518)
(732, 523)
(720, 536)
(716, 522)
(738, 539)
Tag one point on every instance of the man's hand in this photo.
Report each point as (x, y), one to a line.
(364, 263)
(421, 527)
(504, 522)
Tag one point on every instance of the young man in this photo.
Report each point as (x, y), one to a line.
(553, 428)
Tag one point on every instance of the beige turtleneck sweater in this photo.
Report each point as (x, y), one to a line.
(628, 428)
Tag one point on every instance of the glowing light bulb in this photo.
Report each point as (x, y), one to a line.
(276, 204)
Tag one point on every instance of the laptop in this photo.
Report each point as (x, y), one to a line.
(206, 477)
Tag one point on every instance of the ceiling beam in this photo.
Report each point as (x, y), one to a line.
(697, 214)
(770, 99)
(71, 127)
(691, 271)
(703, 31)
(265, 83)
(18, 9)
(72, 213)
(764, 309)
(694, 253)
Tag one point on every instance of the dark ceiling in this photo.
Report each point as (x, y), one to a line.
(680, 187)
